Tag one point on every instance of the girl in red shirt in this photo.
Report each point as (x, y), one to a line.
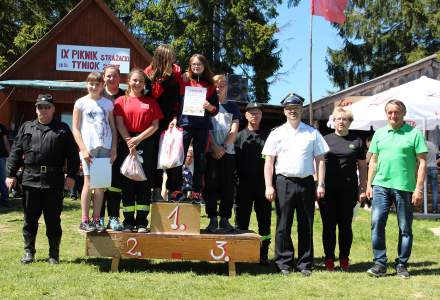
(137, 118)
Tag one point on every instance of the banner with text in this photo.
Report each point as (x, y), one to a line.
(87, 59)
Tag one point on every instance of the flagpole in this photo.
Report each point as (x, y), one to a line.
(310, 68)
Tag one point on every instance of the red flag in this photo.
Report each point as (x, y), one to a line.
(331, 10)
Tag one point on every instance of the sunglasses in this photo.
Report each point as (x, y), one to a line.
(40, 107)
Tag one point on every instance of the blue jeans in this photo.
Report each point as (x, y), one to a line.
(382, 200)
(433, 182)
(3, 189)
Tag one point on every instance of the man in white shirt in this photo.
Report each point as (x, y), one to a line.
(293, 149)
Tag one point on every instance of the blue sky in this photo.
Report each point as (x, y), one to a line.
(293, 38)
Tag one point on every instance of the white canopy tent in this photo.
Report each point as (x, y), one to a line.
(422, 101)
(421, 98)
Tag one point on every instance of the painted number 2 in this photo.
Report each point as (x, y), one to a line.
(132, 251)
(222, 256)
(175, 225)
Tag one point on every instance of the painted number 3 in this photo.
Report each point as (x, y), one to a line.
(222, 256)
(131, 251)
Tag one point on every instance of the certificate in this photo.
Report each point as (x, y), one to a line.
(193, 101)
(100, 173)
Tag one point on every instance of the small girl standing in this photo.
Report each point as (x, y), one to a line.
(137, 118)
(196, 128)
(93, 128)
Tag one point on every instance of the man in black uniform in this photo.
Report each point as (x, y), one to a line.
(250, 167)
(43, 145)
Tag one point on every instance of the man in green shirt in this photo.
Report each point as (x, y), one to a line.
(398, 154)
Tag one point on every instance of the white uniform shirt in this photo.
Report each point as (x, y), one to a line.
(295, 149)
(431, 158)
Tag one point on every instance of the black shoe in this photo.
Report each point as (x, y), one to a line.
(285, 272)
(175, 196)
(54, 260)
(128, 228)
(6, 204)
(196, 198)
(377, 271)
(225, 226)
(306, 272)
(27, 258)
(213, 225)
(402, 272)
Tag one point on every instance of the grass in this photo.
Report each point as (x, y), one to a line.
(80, 277)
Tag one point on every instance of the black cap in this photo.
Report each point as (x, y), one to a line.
(253, 105)
(292, 99)
(44, 99)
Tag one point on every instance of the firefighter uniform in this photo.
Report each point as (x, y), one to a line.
(43, 150)
(251, 189)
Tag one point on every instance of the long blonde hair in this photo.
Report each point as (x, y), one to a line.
(162, 63)
(132, 72)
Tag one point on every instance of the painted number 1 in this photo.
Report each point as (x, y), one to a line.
(132, 251)
(175, 225)
(222, 256)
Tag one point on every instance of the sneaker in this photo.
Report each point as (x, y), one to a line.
(225, 226)
(128, 228)
(114, 224)
(213, 225)
(53, 260)
(6, 204)
(377, 271)
(87, 226)
(329, 265)
(196, 198)
(344, 263)
(27, 258)
(98, 226)
(142, 229)
(175, 196)
(306, 272)
(401, 271)
(102, 221)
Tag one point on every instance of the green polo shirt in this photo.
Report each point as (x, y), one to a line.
(396, 152)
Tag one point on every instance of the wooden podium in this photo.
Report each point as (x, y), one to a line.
(175, 234)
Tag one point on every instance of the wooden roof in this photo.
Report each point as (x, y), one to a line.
(76, 15)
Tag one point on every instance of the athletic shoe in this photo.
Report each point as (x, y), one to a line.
(175, 196)
(102, 221)
(142, 229)
(213, 225)
(402, 272)
(225, 226)
(305, 272)
(114, 224)
(329, 265)
(6, 204)
(54, 260)
(196, 198)
(98, 226)
(27, 258)
(87, 226)
(128, 228)
(377, 271)
(344, 263)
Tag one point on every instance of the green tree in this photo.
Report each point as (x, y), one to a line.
(234, 35)
(23, 23)
(381, 35)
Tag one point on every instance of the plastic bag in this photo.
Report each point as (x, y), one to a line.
(170, 149)
(132, 168)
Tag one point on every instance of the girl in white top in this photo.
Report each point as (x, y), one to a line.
(94, 131)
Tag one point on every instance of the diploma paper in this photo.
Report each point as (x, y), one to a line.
(193, 101)
(100, 173)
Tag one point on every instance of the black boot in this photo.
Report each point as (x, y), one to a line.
(54, 250)
(29, 250)
(264, 257)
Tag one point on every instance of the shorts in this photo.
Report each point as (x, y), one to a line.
(99, 152)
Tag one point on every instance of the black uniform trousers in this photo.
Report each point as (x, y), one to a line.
(136, 195)
(337, 210)
(294, 194)
(37, 201)
(219, 183)
(252, 193)
(199, 139)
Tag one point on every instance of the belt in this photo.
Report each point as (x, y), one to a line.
(44, 169)
(296, 179)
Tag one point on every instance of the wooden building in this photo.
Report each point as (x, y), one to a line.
(89, 24)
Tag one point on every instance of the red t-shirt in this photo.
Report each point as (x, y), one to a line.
(138, 112)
